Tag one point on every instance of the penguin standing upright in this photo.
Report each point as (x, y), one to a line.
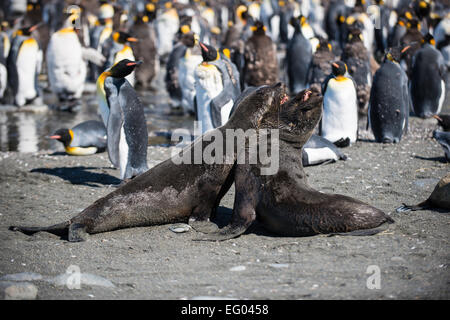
(65, 65)
(260, 55)
(216, 86)
(444, 140)
(339, 122)
(356, 56)
(192, 58)
(145, 49)
(123, 115)
(412, 38)
(24, 65)
(427, 86)
(171, 79)
(4, 50)
(100, 33)
(117, 49)
(84, 139)
(389, 99)
(298, 58)
(320, 66)
(166, 25)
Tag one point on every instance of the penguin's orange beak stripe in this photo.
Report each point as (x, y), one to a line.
(35, 27)
(405, 48)
(335, 65)
(437, 117)
(55, 137)
(132, 39)
(204, 47)
(131, 64)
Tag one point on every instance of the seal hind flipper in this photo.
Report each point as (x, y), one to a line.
(363, 232)
(203, 226)
(406, 208)
(226, 233)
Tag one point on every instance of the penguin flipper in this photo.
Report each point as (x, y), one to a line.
(115, 123)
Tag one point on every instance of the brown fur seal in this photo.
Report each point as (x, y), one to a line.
(284, 202)
(171, 192)
(439, 198)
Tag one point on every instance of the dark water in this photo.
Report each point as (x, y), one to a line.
(27, 131)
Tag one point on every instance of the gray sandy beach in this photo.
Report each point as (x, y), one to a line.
(411, 257)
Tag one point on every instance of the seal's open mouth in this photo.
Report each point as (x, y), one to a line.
(284, 99)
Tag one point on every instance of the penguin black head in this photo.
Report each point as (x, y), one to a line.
(209, 53)
(355, 35)
(64, 135)
(339, 68)
(428, 38)
(258, 28)
(189, 39)
(324, 45)
(123, 68)
(26, 31)
(395, 54)
(123, 37)
(413, 24)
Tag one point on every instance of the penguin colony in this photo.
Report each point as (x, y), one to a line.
(380, 59)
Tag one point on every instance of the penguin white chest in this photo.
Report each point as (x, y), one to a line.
(27, 64)
(340, 111)
(207, 86)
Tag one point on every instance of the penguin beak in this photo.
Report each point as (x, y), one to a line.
(203, 47)
(132, 39)
(335, 65)
(35, 27)
(437, 118)
(134, 63)
(54, 137)
(405, 49)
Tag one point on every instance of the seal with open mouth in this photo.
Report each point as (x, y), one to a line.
(284, 202)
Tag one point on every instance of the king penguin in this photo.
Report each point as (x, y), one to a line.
(65, 65)
(217, 87)
(298, 57)
(123, 115)
(389, 102)
(4, 50)
(192, 58)
(339, 122)
(24, 65)
(427, 86)
(84, 139)
(117, 49)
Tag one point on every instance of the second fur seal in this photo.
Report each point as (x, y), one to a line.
(284, 202)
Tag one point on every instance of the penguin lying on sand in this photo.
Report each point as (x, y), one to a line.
(123, 115)
(443, 121)
(84, 139)
(319, 150)
(444, 140)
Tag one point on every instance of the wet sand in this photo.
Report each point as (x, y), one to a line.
(154, 263)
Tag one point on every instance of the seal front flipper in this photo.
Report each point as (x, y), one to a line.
(77, 232)
(406, 208)
(203, 226)
(362, 232)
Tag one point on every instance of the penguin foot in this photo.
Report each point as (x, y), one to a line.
(342, 143)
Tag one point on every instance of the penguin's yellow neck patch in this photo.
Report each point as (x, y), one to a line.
(66, 30)
(340, 78)
(101, 85)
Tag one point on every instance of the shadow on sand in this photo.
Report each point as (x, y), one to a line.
(80, 176)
